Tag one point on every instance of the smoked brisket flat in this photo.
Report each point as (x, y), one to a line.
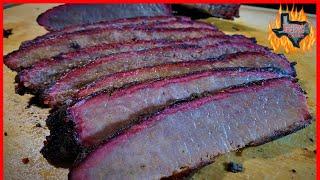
(66, 15)
(27, 56)
(100, 117)
(110, 82)
(72, 81)
(189, 135)
(243, 59)
(45, 72)
(130, 22)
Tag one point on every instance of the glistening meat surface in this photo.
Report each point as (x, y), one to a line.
(128, 22)
(26, 56)
(100, 117)
(45, 72)
(245, 59)
(69, 84)
(124, 104)
(242, 59)
(191, 134)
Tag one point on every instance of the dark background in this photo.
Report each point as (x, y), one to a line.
(308, 8)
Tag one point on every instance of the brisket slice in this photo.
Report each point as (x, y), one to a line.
(67, 15)
(71, 82)
(243, 59)
(26, 56)
(45, 72)
(131, 22)
(100, 117)
(191, 134)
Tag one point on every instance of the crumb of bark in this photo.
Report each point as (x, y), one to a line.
(7, 33)
(239, 152)
(38, 125)
(293, 170)
(315, 151)
(235, 28)
(234, 167)
(75, 45)
(59, 56)
(259, 150)
(5, 134)
(25, 160)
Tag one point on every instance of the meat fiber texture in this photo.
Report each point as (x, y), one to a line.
(67, 86)
(189, 135)
(45, 72)
(100, 117)
(67, 15)
(26, 56)
(242, 59)
(129, 22)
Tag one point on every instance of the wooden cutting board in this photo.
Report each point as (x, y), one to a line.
(275, 160)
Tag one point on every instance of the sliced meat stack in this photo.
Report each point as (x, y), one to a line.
(67, 15)
(67, 42)
(45, 72)
(95, 119)
(154, 97)
(189, 135)
(68, 85)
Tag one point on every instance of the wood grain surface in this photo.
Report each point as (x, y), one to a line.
(274, 160)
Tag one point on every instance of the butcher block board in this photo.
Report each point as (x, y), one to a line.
(274, 160)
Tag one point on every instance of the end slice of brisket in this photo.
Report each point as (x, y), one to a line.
(93, 120)
(67, 15)
(189, 135)
(45, 72)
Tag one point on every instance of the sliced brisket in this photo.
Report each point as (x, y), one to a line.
(45, 72)
(130, 22)
(189, 135)
(243, 59)
(67, 15)
(71, 82)
(100, 117)
(26, 56)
